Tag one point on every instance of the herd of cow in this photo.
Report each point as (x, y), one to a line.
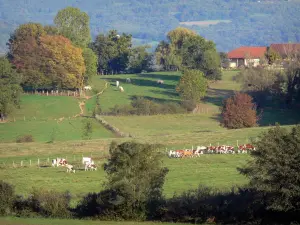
(86, 161)
(200, 150)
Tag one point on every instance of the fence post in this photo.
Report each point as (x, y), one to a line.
(21, 163)
(48, 160)
(74, 157)
(30, 162)
(237, 143)
(13, 163)
(38, 162)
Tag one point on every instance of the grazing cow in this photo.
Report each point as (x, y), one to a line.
(70, 168)
(86, 160)
(128, 80)
(117, 83)
(90, 166)
(59, 162)
(87, 88)
(121, 88)
(160, 81)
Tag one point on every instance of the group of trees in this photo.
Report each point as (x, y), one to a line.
(187, 50)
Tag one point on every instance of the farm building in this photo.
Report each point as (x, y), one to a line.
(246, 56)
(286, 50)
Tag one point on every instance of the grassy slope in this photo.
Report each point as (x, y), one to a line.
(35, 221)
(40, 113)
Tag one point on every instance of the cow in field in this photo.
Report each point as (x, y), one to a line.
(87, 88)
(70, 168)
(160, 81)
(121, 88)
(90, 166)
(117, 83)
(128, 80)
(59, 162)
(86, 160)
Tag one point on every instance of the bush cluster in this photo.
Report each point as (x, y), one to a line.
(25, 138)
(142, 106)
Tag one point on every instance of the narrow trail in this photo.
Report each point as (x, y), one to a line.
(82, 104)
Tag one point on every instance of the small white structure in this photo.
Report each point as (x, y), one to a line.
(121, 88)
(117, 83)
(128, 80)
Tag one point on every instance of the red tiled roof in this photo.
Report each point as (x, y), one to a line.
(286, 49)
(247, 52)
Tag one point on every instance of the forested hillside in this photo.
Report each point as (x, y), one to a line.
(247, 22)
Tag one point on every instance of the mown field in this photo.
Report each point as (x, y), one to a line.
(35, 221)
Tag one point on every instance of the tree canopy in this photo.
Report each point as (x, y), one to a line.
(45, 60)
(74, 24)
(192, 85)
(10, 89)
(274, 169)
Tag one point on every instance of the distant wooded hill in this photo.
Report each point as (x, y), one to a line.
(245, 22)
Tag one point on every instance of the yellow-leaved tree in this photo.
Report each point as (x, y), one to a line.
(64, 62)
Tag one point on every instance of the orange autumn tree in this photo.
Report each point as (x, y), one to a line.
(239, 111)
(65, 63)
(45, 60)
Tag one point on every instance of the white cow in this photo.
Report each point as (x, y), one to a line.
(160, 81)
(87, 88)
(59, 162)
(70, 168)
(121, 88)
(90, 166)
(117, 83)
(128, 80)
(86, 160)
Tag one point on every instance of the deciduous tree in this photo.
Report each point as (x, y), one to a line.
(192, 85)
(135, 178)
(91, 63)
(239, 111)
(75, 25)
(274, 169)
(10, 89)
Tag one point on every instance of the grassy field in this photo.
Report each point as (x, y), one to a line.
(38, 116)
(183, 174)
(35, 221)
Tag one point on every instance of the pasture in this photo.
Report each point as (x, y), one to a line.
(36, 221)
(39, 115)
(186, 173)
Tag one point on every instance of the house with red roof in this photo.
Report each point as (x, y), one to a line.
(286, 50)
(246, 56)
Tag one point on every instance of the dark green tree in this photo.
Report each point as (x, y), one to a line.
(135, 177)
(139, 59)
(192, 85)
(75, 25)
(91, 62)
(10, 89)
(275, 168)
(113, 51)
(87, 129)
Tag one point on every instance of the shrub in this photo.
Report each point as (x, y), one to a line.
(50, 203)
(275, 169)
(25, 138)
(6, 198)
(239, 111)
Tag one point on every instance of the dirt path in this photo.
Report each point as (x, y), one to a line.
(82, 104)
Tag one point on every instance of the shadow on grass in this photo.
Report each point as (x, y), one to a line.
(141, 82)
(271, 116)
(157, 100)
(161, 76)
(169, 93)
(217, 96)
